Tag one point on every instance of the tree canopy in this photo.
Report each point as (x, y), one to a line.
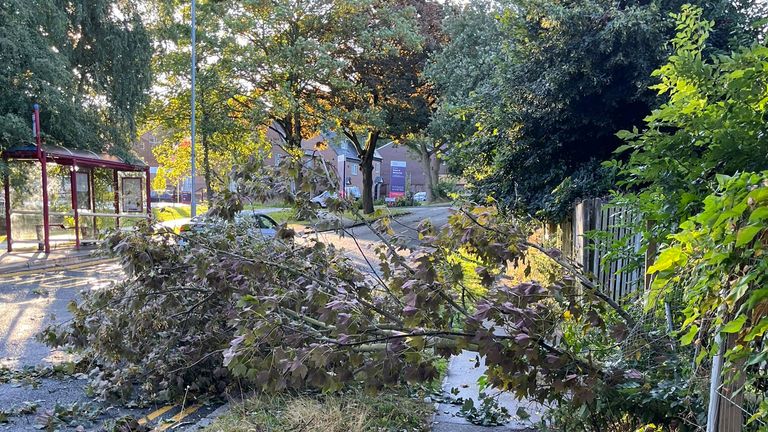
(85, 62)
(380, 92)
(283, 56)
(713, 122)
(224, 134)
(566, 78)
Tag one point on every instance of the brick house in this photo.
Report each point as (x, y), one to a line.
(338, 147)
(337, 153)
(416, 174)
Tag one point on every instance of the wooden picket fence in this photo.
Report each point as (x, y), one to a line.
(586, 237)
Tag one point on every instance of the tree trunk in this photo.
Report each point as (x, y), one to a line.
(366, 165)
(434, 175)
(426, 161)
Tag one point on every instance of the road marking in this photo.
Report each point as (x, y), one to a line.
(155, 414)
(56, 268)
(175, 419)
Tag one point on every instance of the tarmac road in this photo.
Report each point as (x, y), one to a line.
(30, 303)
(360, 241)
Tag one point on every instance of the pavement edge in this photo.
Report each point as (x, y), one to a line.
(54, 265)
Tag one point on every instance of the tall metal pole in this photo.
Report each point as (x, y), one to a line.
(43, 163)
(193, 202)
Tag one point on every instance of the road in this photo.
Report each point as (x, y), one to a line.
(359, 242)
(27, 305)
(30, 303)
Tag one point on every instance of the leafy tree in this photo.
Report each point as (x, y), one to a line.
(428, 148)
(712, 123)
(460, 73)
(85, 62)
(282, 52)
(713, 268)
(568, 76)
(223, 133)
(378, 91)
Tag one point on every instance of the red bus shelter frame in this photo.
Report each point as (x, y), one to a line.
(74, 159)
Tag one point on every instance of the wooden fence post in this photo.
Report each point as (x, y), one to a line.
(730, 416)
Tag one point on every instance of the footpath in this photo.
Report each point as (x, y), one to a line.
(462, 376)
(20, 262)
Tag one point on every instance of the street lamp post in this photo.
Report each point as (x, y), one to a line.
(193, 202)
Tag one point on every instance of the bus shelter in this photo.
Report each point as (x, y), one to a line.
(61, 196)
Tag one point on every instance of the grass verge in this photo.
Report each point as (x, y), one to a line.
(378, 211)
(169, 213)
(289, 215)
(351, 411)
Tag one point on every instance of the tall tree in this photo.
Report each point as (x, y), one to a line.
(378, 92)
(85, 62)
(712, 125)
(568, 77)
(428, 146)
(461, 74)
(224, 135)
(281, 55)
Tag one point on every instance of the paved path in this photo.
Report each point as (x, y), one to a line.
(28, 303)
(463, 375)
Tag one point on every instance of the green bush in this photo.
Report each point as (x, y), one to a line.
(406, 201)
(445, 188)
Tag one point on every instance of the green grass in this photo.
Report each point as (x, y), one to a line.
(282, 216)
(351, 411)
(260, 206)
(378, 211)
(169, 213)
(289, 215)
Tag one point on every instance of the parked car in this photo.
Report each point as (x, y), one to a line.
(265, 225)
(352, 191)
(420, 196)
(322, 198)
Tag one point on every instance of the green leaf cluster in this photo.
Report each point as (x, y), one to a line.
(713, 121)
(539, 103)
(85, 62)
(716, 265)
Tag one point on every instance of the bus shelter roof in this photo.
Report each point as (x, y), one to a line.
(67, 156)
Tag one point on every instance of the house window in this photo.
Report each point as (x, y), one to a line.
(354, 169)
